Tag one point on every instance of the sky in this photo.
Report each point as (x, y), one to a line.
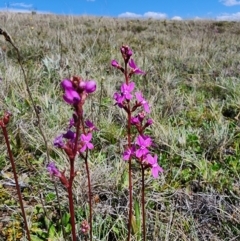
(158, 9)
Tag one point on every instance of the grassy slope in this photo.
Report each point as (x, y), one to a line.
(192, 83)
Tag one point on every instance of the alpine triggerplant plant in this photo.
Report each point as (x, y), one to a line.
(136, 109)
(76, 142)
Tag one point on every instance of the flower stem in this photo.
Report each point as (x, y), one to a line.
(5, 133)
(71, 179)
(70, 199)
(130, 199)
(143, 204)
(89, 197)
(130, 161)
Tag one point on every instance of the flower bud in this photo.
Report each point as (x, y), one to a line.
(90, 86)
(66, 84)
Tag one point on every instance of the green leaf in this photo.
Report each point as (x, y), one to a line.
(137, 213)
(50, 197)
(47, 222)
(68, 228)
(138, 219)
(52, 231)
(134, 224)
(123, 181)
(115, 230)
(65, 218)
(35, 238)
(37, 230)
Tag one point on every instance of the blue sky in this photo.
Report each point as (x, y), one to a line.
(161, 9)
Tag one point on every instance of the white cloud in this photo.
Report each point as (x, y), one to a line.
(21, 5)
(155, 15)
(229, 17)
(230, 2)
(15, 10)
(177, 18)
(129, 15)
(20, 10)
(145, 15)
(197, 18)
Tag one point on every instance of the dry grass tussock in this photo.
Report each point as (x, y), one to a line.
(193, 85)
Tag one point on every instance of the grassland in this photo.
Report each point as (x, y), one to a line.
(193, 86)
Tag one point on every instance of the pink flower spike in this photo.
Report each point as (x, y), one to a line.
(135, 68)
(154, 165)
(86, 142)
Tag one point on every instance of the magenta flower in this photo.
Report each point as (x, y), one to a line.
(82, 85)
(90, 86)
(135, 120)
(143, 143)
(70, 135)
(115, 64)
(52, 169)
(135, 68)
(149, 122)
(128, 153)
(86, 142)
(58, 141)
(154, 165)
(142, 101)
(127, 89)
(126, 52)
(71, 96)
(66, 84)
(91, 126)
(119, 99)
(71, 123)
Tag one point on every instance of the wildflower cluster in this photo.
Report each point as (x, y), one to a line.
(140, 149)
(76, 141)
(73, 142)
